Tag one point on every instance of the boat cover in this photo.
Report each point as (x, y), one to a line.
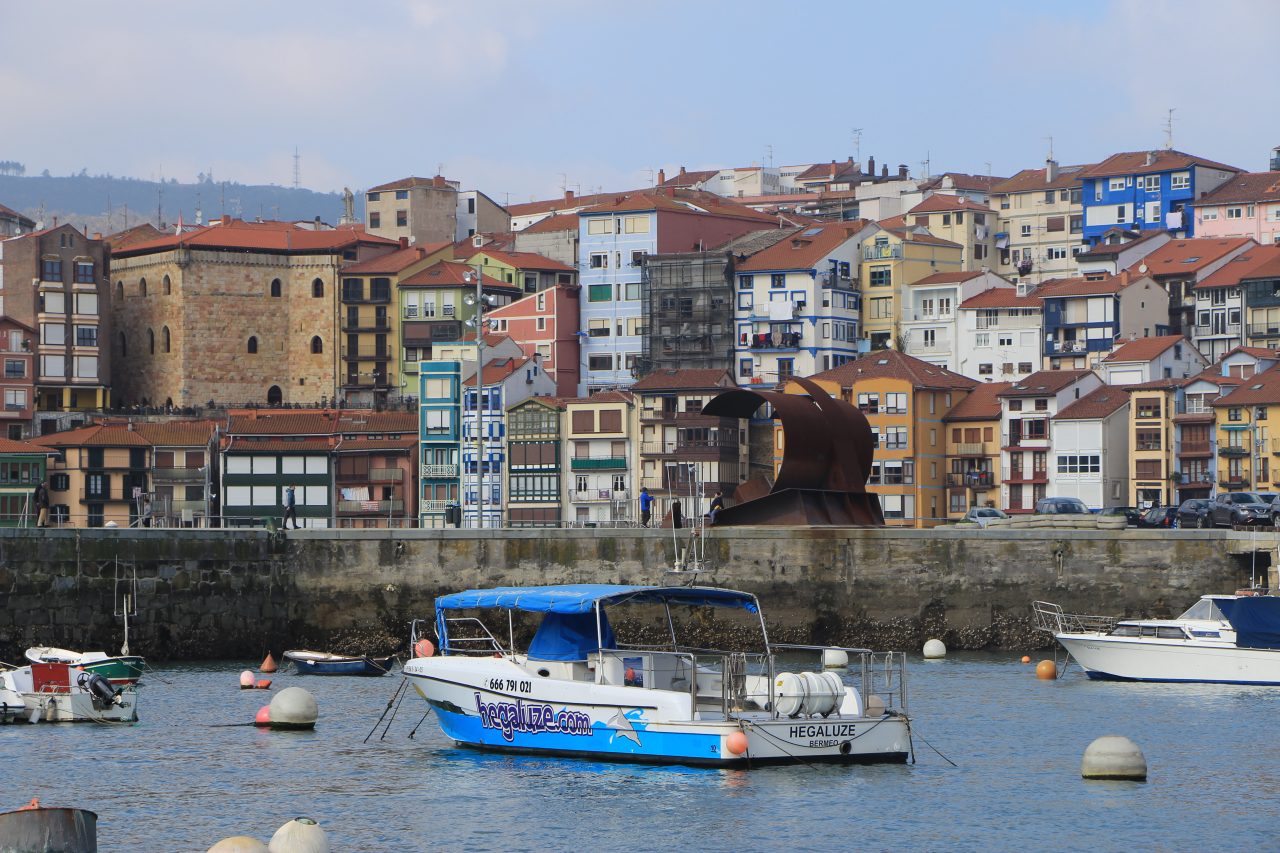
(570, 636)
(1256, 620)
(582, 598)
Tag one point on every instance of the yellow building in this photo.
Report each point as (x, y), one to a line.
(1242, 419)
(893, 258)
(906, 400)
(100, 478)
(602, 458)
(962, 221)
(973, 450)
(525, 270)
(1151, 438)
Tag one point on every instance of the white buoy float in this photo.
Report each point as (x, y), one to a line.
(239, 844)
(300, 835)
(834, 658)
(291, 708)
(935, 649)
(247, 680)
(1114, 757)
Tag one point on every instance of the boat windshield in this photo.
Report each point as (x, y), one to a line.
(1204, 610)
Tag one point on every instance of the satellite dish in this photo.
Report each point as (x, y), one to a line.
(1142, 268)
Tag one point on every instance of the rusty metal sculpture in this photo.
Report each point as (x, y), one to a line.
(827, 459)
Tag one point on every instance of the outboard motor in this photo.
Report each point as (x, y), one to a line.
(99, 686)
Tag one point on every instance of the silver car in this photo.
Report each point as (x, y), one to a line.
(982, 515)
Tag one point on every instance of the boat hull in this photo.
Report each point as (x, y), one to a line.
(619, 723)
(1132, 659)
(125, 669)
(306, 664)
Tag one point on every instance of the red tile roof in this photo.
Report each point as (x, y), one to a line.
(1186, 257)
(499, 242)
(94, 435)
(1097, 404)
(804, 248)
(552, 224)
(944, 203)
(394, 262)
(13, 214)
(1254, 187)
(1135, 163)
(1106, 250)
(8, 445)
(1033, 180)
(1045, 382)
(259, 237)
(522, 260)
(1260, 388)
(913, 236)
(137, 234)
(1056, 288)
(368, 445)
(689, 179)
(963, 181)
(1003, 297)
(497, 370)
(176, 433)
(1145, 349)
(678, 201)
(892, 364)
(980, 404)
(409, 183)
(363, 421)
(253, 444)
(568, 202)
(684, 380)
(453, 274)
(1255, 262)
(949, 277)
(282, 423)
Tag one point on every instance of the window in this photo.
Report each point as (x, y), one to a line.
(599, 293)
(352, 290)
(599, 260)
(745, 301)
(373, 196)
(778, 280)
(1209, 213)
(745, 367)
(317, 345)
(51, 270)
(53, 365)
(402, 219)
(84, 272)
(1234, 212)
(929, 338)
(603, 225)
(1180, 181)
(894, 438)
(15, 399)
(985, 369)
(53, 302)
(87, 304)
(166, 286)
(317, 289)
(251, 348)
(746, 282)
(1026, 231)
(1077, 224)
(636, 225)
(1073, 464)
(1056, 253)
(881, 276)
(14, 368)
(54, 334)
(380, 290)
(895, 404)
(86, 336)
(1115, 184)
(600, 362)
(86, 367)
(869, 403)
(276, 288)
(375, 220)
(1151, 183)
(631, 291)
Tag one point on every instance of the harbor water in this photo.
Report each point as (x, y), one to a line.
(179, 780)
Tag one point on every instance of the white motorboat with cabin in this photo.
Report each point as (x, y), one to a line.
(579, 691)
(1221, 639)
(60, 693)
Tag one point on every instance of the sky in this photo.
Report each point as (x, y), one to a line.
(524, 99)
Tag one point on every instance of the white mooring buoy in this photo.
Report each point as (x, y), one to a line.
(239, 844)
(935, 649)
(1114, 757)
(834, 658)
(292, 708)
(300, 835)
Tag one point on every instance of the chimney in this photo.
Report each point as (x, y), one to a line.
(130, 426)
(871, 166)
(1050, 170)
(404, 242)
(437, 181)
(682, 171)
(1151, 158)
(568, 195)
(849, 162)
(662, 176)
(902, 171)
(97, 235)
(884, 170)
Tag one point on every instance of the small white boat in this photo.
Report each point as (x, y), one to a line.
(1221, 639)
(121, 669)
(578, 691)
(60, 693)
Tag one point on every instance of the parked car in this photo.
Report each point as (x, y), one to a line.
(1231, 508)
(1194, 512)
(1275, 511)
(1159, 516)
(1061, 506)
(1131, 513)
(982, 515)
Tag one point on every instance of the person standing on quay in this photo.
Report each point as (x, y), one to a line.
(42, 505)
(717, 504)
(290, 508)
(646, 506)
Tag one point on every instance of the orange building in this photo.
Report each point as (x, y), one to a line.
(973, 449)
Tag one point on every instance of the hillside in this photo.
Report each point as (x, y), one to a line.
(109, 204)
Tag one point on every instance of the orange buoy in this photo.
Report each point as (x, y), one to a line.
(262, 684)
(268, 664)
(423, 648)
(1046, 670)
(736, 743)
(1026, 658)
(263, 717)
(34, 804)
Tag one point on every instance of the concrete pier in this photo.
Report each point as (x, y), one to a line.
(223, 593)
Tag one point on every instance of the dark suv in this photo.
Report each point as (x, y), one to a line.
(1232, 508)
(1061, 506)
(1194, 512)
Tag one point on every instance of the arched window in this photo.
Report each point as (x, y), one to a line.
(119, 291)
(253, 344)
(124, 345)
(317, 289)
(275, 287)
(165, 338)
(166, 286)
(317, 345)
(142, 287)
(274, 395)
(151, 341)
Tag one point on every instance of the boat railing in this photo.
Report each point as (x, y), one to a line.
(881, 674)
(1050, 617)
(481, 643)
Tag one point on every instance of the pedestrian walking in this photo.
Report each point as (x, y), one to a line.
(646, 506)
(290, 508)
(41, 501)
(717, 504)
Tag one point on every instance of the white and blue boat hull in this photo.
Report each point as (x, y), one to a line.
(1111, 658)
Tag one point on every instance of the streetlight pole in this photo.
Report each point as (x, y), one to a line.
(478, 322)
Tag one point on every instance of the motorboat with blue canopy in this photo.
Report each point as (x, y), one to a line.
(1222, 639)
(579, 689)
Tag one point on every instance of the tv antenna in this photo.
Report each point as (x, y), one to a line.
(924, 166)
(769, 155)
(1168, 129)
(297, 168)
(1049, 139)
(856, 133)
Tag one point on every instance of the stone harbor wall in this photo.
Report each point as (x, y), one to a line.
(218, 594)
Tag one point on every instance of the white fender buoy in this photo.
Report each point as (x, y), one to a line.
(293, 708)
(935, 649)
(1114, 757)
(239, 844)
(834, 658)
(247, 680)
(300, 835)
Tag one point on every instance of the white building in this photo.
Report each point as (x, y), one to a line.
(998, 334)
(1147, 359)
(1091, 449)
(931, 311)
(1118, 250)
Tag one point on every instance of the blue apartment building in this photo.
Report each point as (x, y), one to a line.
(440, 437)
(1147, 190)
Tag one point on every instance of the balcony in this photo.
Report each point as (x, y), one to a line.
(370, 352)
(701, 449)
(1234, 483)
(970, 449)
(1198, 407)
(671, 415)
(1233, 452)
(597, 495)
(1215, 329)
(176, 475)
(1054, 347)
(117, 492)
(881, 253)
(375, 325)
(1263, 330)
(436, 506)
(988, 323)
(1147, 445)
(598, 463)
(371, 507)
(1195, 448)
(971, 480)
(1020, 440)
(385, 475)
(439, 472)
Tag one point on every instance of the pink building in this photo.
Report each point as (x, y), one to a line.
(546, 324)
(17, 343)
(1248, 205)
